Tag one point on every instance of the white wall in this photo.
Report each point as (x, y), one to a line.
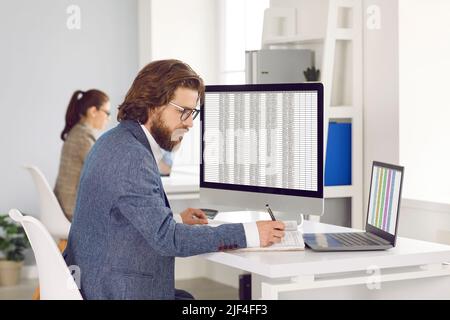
(42, 63)
(407, 63)
(188, 31)
(144, 31)
(424, 98)
(407, 56)
(381, 82)
(426, 221)
(311, 15)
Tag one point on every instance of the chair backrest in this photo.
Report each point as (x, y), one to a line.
(51, 214)
(55, 279)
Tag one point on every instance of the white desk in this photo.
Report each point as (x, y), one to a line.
(182, 184)
(412, 270)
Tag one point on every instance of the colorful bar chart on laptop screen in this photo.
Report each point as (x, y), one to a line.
(384, 195)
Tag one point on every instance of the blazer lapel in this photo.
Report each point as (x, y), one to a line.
(167, 201)
(136, 129)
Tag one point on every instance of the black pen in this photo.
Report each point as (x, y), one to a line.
(270, 212)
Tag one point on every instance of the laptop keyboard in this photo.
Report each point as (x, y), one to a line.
(354, 239)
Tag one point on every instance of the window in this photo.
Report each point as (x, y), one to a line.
(240, 30)
(424, 100)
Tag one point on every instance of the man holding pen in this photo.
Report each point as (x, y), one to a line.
(124, 237)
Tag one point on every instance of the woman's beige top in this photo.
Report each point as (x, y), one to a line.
(79, 142)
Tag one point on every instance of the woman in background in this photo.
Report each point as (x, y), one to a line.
(87, 111)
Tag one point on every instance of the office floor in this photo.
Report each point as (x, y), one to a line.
(23, 291)
(200, 288)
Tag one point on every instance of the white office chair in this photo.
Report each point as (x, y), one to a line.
(51, 215)
(55, 279)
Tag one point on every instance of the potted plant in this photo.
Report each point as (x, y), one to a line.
(13, 242)
(312, 74)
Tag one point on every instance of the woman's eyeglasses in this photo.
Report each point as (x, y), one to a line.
(186, 112)
(106, 112)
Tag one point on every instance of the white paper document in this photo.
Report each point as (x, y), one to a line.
(292, 241)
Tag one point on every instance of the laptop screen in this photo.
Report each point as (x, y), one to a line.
(385, 192)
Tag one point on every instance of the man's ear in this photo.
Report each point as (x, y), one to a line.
(154, 111)
(151, 113)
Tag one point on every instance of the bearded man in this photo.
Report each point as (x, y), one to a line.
(124, 237)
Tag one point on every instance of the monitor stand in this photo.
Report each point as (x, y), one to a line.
(312, 218)
(252, 216)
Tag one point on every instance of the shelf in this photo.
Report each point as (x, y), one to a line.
(341, 112)
(341, 34)
(347, 3)
(292, 40)
(338, 192)
(344, 34)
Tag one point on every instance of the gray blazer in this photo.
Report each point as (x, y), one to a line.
(123, 236)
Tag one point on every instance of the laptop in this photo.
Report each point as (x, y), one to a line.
(382, 216)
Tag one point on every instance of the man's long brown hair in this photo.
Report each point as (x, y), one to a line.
(155, 86)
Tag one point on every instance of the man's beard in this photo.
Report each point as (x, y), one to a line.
(169, 141)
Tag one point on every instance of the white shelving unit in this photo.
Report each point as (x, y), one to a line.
(343, 30)
(291, 40)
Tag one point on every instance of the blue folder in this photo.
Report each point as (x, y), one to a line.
(338, 160)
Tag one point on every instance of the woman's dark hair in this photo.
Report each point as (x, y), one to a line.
(80, 102)
(155, 86)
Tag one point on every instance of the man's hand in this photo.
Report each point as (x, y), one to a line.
(270, 232)
(193, 216)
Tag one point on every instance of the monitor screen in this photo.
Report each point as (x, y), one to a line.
(263, 138)
(385, 193)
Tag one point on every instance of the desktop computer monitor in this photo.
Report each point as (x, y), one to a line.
(263, 144)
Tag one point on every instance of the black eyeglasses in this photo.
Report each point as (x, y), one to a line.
(186, 112)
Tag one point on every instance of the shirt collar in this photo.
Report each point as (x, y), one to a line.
(156, 149)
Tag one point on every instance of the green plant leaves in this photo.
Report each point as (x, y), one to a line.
(13, 240)
(312, 74)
